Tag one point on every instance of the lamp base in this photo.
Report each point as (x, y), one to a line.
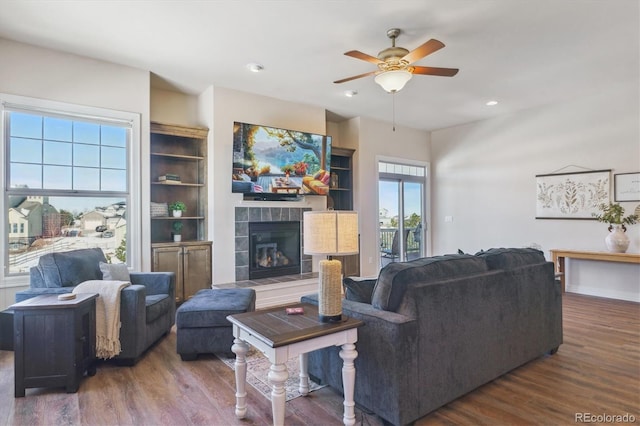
(330, 318)
(330, 291)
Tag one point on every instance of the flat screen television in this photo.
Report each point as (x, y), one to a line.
(279, 164)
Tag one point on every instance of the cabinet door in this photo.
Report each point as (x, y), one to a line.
(169, 259)
(197, 269)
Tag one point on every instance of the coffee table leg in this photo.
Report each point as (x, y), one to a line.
(348, 354)
(278, 375)
(240, 348)
(304, 376)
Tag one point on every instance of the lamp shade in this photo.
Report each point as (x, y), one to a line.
(331, 232)
(393, 81)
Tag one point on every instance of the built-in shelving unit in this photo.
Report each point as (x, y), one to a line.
(341, 182)
(341, 198)
(181, 151)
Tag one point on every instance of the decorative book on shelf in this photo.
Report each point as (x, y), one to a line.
(159, 209)
(169, 178)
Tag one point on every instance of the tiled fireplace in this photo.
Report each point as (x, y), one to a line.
(268, 242)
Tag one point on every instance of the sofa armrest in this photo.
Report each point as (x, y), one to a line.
(156, 282)
(387, 359)
(364, 311)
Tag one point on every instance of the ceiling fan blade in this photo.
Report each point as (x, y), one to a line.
(355, 77)
(443, 72)
(421, 51)
(363, 56)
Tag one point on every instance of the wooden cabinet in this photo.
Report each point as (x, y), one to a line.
(341, 198)
(179, 151)
(55, 341)
(190, 261)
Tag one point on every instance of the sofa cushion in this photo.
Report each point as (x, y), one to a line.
(359, 290)
(115, 271)
(509, 258)
(68, 269)
(156, 305)
(395, 277)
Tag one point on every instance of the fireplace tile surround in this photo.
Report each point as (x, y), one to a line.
(244, 215)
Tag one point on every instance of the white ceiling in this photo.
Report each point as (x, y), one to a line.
(523, 53)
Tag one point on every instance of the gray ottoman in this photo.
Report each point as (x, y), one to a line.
(201, 322)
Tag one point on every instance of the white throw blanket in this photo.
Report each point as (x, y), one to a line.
(107, 314)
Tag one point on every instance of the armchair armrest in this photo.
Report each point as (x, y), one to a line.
(133, 320)
(156, 282)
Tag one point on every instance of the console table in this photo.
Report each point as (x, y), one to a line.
(558, 256)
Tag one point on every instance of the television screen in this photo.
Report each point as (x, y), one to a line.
(271, 163)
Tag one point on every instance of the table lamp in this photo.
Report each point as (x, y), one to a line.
(330, 233)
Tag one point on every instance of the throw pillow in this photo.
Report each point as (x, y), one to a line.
(359, 290)
(115, 271)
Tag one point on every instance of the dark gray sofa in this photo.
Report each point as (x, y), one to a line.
(147, 306)
(437, 328)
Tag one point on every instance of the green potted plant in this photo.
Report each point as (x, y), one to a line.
(177, 228)
(613, 214)
(177, 207)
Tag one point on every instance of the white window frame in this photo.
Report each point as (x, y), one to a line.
(134, 221)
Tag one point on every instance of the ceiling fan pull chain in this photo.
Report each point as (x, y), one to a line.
(393, 103)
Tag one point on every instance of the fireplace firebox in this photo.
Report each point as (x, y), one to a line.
(274, 249)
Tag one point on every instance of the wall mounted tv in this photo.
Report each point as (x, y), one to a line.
(279, 164)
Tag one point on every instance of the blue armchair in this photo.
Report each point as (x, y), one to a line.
(147, 306)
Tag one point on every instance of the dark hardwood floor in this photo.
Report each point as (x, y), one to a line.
(596, 372)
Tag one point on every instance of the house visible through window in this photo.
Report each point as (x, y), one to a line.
(66, 184)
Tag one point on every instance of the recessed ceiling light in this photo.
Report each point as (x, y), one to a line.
(255, 67)
(350, 93)
(491, 103)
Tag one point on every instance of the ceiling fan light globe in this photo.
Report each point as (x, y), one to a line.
(393, 81)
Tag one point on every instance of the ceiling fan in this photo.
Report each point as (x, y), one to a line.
(394, 63)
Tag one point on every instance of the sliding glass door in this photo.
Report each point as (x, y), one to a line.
(401, 205)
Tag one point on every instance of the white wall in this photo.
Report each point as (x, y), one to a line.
(372, 139)
(175, 108)
(484, 177)
(55, 76)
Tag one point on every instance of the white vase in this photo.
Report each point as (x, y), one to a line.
(177, 213)
(617, 241)
(177, 238)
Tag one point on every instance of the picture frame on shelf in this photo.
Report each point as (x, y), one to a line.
(626, 186)
(574, 195)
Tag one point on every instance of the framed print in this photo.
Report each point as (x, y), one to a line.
(572, 195)
(626, 186)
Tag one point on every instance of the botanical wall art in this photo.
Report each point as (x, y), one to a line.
(571, 195)
(627, 186)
